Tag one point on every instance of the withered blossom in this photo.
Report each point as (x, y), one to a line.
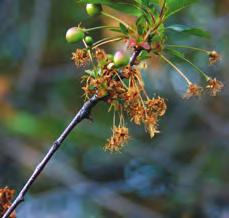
(214, 57)
(151, 125)
(136, 112)
(119, 138)
(6, 196)
(100, 55)
(193, 91)
(214, 86)
(156, 105)
(80, 57)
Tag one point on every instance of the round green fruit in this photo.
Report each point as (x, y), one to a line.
(93, 9)
(74, 34)
(110, 57)
(121, 59)
(89, 40)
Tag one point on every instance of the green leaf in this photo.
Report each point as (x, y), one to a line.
(141, 25)
(143, 55)
(126, 6)
(175, 6)
(123, 29)
(189, 30)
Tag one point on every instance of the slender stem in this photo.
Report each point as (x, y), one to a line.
(124, 85)
(105, 39)
(177, 69)
(117, 19)
(155, 28)
(89, 52)
(162, 9)
(100, 27)
(84, 113)
(196, 68)
(188, 47)
(106, 42)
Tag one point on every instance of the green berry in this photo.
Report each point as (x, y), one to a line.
(93, 9)
(89, 40)
(110, 57)
(121, 59)
(74, 34)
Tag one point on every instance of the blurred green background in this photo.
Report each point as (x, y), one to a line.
(182, 173)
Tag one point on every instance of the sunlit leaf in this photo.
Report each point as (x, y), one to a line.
(123, 29)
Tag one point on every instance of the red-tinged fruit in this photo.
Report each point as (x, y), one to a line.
(121, 59)
(93, 9)
(74, 34)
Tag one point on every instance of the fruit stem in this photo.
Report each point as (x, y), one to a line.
(117, 19)
(162, 9)
(188, 47)
(100, 27)
(177, 69)
(105, 39)
(89, 52)
(106, 42)
(196, 68)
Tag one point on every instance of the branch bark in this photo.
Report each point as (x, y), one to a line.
(83, 113)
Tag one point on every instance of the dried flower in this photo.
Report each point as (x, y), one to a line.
(214, 86)
(131, 94)
(193, 90)
(80, 57)
(100, 55)
(119, 138)
(136, 112)
(6, 196)
(214, 57)
(151, 125)
(156, 105)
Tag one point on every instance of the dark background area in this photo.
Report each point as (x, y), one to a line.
(181, 173)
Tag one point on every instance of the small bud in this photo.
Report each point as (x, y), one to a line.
(214, 57)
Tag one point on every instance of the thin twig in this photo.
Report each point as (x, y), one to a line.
(84, 113)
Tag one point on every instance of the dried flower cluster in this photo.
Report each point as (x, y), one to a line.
(119, 138)
(213, 87)
(126, 94)
(80, 57)
(120, 84)
(6, 196)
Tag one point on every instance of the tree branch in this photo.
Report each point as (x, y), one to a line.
(83, 113)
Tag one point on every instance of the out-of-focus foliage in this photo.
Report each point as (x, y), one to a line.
(182, 173)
